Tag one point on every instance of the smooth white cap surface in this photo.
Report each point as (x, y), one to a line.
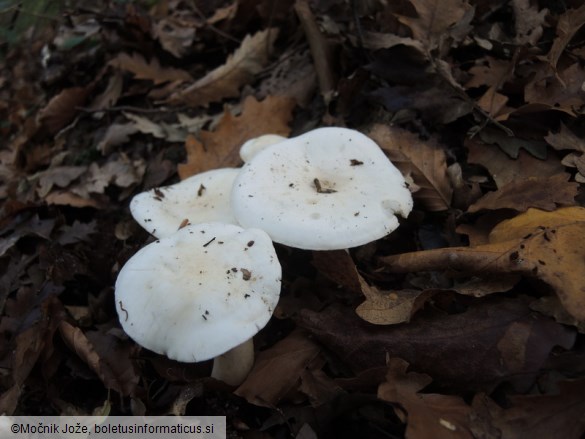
(201, 198)
(254, 146)
(199, 292)
(331, 188)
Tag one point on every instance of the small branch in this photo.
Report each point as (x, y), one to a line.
(487, 258)
(320, 50)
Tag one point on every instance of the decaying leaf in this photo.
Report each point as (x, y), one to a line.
(542, 193)
(63, 108)
(437, 21)
(538, 416)
(151, 70)
(278, 369)
(226, 80)
(105, 355)
(390, 307)
(425, 162)
(505, 170)
(470, 350)
(546, 245)
(220, 148)
(428, 415)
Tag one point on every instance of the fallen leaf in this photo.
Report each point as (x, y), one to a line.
(565, 139)
(225, 81)
(429, 415)
(390, 307)
(220, 148)
(116, 134)
(438, 21)
(60, 176)
(460, 350)
(561, 91)
(559, 415)
(105, 355)
(63, 108)
(541, 193)
(529, 22)
(150, 70)
(424, 161)
(338, 266)
(278, 369)
(505, 170)
(546, 245)
(511, 145)
(567, 26)
(175, 34)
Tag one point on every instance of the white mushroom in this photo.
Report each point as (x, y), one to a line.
(200, 293)
(254, 146)
(331, 188)
(201, 198)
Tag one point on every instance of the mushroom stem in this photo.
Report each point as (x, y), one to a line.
(234, 366)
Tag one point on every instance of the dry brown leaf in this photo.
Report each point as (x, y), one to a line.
(62, 108)
(116, 371)
(529, 22)
(110, 95)
(60, 176)
(463, 349)
(438, 20)
(225, 81)
(65, 198)
(543, 193)
(175, 34)
(116, 134)
(505, 170)
(565, 139)
(151, 70)
(545, 245)
(338, 266)
(390, 307)
(567, 26)
(425, 161)
(277, 370)
(429, 415)
(558, 415)
(561, 91)
(220, 148)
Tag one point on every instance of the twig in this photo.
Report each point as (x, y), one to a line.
(132, 109)
(319, 49)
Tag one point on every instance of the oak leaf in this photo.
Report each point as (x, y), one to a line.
(467, 350)
(220, 148)
(424, 161)
(225, 81)
(151, 70)
(545, 193)
(545, 245)
(438, 20)
(277, 370)
(430, 415)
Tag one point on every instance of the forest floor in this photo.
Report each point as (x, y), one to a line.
(467, 321)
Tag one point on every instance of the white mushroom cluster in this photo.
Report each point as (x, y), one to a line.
(212, 280)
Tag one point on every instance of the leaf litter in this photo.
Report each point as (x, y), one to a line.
(468, 321)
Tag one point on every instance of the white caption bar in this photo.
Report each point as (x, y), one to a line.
(112, 427)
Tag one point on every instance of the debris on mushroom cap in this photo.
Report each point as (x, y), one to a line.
(201, 198)
(330, 188)
(254, 146)
(185, 296)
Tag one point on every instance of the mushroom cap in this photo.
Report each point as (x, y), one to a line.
(200, 292)
(253, 146)
(201, 198)
(331, 188)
